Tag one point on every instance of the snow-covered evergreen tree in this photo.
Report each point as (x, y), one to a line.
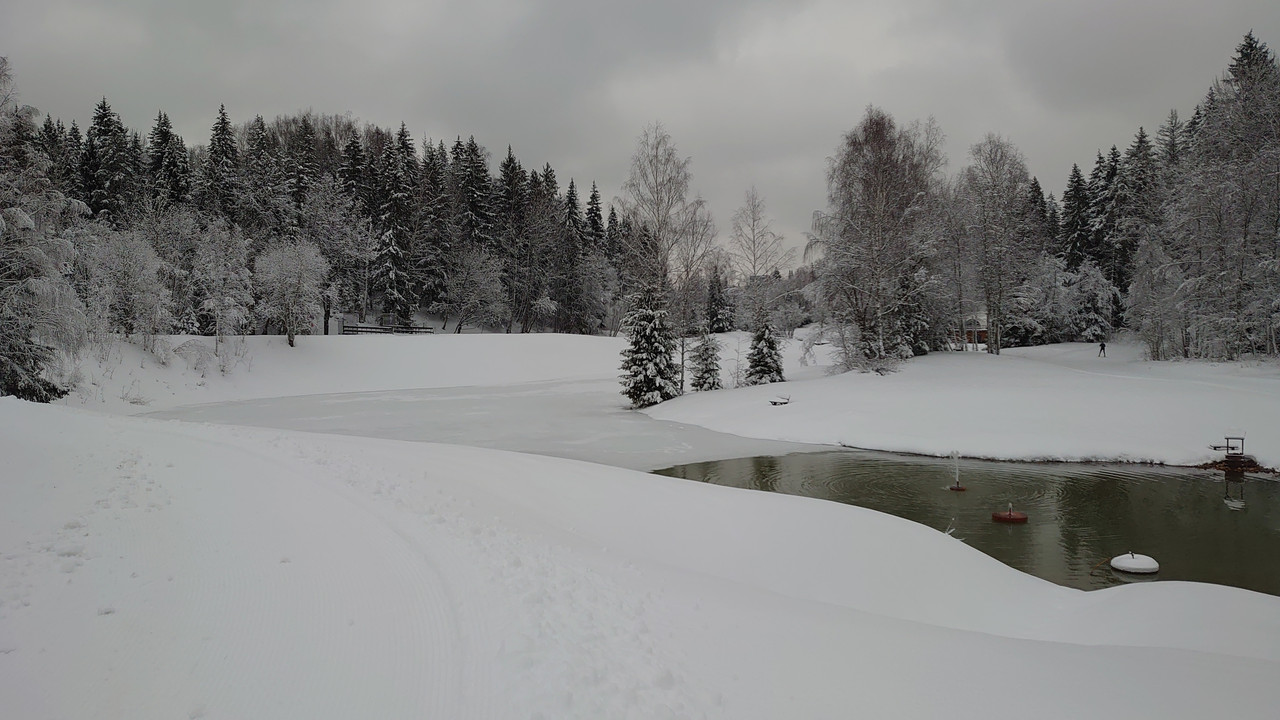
(110, 176)
(40, 313)
(219, 187)
(649, 372)
(351, 173)
(595, 230)
(265, 207)
(705, 363)
(1094, 300)
(302, 168)
(573, 314)
(391, 263)
(720, 311)
(432, 246)
(167, 166)
(764, 361)
(472, 196)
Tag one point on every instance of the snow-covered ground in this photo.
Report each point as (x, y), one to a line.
(155, 568)
(1059, 402)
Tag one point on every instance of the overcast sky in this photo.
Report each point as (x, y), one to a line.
(754, 91)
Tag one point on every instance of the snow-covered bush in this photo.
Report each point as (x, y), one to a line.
(291, 280)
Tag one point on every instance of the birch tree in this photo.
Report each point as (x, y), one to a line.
(868, 245)
(994, 187)
(756, 249)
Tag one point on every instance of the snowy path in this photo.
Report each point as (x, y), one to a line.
(157, 569)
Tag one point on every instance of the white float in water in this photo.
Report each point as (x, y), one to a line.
(1131, 563)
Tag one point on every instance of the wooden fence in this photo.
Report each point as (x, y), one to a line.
(385, 330)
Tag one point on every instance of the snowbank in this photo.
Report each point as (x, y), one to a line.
(160, 569)
(1059, 402)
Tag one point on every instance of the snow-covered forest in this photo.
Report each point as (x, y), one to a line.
(271, 225)
(1176, 237)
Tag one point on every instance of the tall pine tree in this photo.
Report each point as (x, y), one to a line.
(391, 265)
(220, 175)
(110, 171)
(1073, 231)
(167, 165)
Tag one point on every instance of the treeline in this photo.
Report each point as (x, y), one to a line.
(274, 225)
(401, 230)
(1176, 237)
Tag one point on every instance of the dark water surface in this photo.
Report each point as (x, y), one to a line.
(1196, 524)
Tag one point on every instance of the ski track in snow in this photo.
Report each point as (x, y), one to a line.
(531, 611)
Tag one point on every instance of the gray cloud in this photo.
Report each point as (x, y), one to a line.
(755, 92)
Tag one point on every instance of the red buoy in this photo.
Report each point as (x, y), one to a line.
(1012, 517)
(957, 488)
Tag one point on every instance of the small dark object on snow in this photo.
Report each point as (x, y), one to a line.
(782, 400)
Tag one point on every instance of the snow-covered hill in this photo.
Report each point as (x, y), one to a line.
(156, 568)
(160, 569)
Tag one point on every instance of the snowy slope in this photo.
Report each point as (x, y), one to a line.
(159, 569)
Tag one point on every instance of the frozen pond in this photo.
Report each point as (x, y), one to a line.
(1198, 526)
(580, 420)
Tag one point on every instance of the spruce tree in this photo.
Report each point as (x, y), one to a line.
(1073, 232)
(431, 251)
(764, 361)
(1104, 212)
(566, 287)
(595, 223)
(1137, 204)
(511, 211)
(719, 306)
(391, 264)
(1171, 146)
(351, 173)
(302, 170)
(67, 175)
(109, 181)
(51, 142)
(649, 374)
(1252, 64)
(408, 153)
(264, 206)
(473, 225)
(705, 362)
(219, 178)
(612, 237)
(167, 165)
(1053, 217)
